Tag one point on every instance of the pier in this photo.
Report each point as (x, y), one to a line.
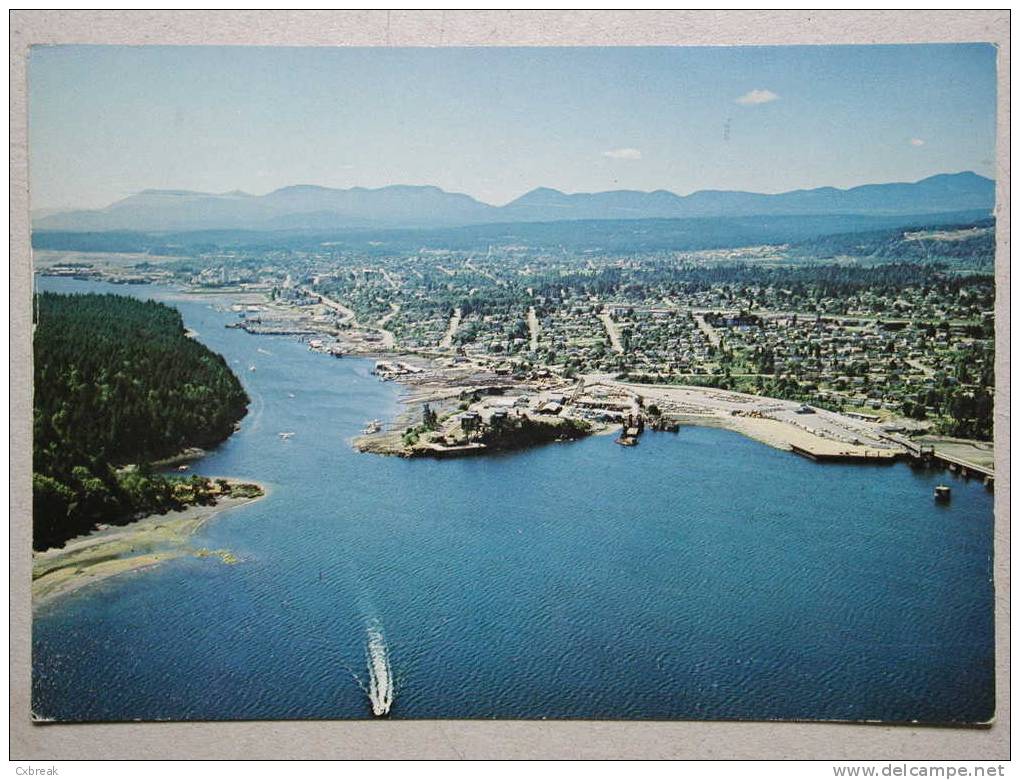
(831, 455)
(964, 467)
(930, 454)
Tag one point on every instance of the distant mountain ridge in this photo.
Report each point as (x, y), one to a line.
(311, 207)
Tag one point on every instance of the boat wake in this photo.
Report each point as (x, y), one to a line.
(380, 688)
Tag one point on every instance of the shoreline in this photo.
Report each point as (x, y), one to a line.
(838, 438)
(772, 433)
(816, 433)
(786, 425)
(118, 549)
(478, 397)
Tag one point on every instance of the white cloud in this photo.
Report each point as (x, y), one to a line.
(757, 96)
(917, 142)
(626, 153)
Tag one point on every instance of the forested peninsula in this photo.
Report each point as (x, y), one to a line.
(119, 384)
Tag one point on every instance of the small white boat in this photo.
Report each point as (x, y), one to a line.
(251, 367)
(373, 427)
(286, 435)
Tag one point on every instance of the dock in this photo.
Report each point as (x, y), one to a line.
(965, 468)
(930, 454)
(833, 455)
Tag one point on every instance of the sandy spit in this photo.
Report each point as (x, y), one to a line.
(115, 550)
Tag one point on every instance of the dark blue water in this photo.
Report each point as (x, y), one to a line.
(699, 575)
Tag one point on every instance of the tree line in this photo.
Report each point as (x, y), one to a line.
(116, 382)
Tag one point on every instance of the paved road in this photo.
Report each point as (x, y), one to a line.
(534, 327)
(348, 314)
(708, 330)
(394, 309)
(388, 339)
(613, 331)
(451, 331)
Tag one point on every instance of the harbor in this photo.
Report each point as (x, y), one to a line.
(495, 569)
(604, 405)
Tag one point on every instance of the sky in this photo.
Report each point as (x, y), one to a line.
(108, 121)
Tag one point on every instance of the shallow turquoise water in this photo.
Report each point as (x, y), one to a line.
(699, 575)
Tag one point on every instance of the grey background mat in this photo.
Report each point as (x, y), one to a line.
(482, 739)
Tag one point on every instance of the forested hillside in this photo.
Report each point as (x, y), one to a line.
(970, 245)
(117, 382)
(610, 236)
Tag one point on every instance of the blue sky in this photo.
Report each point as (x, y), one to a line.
(107, 121)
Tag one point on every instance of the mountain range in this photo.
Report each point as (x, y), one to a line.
(309, 207)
